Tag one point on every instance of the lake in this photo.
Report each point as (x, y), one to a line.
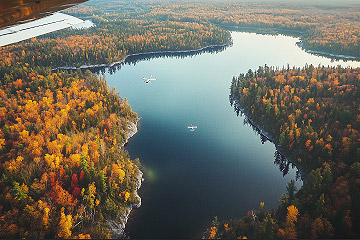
(220, 169)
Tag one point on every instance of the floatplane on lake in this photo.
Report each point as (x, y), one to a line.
(148, 80)
(192, 128)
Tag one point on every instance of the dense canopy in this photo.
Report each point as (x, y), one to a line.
(63, 173)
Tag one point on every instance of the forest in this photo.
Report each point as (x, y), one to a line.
(329, 27)
(124, 28)
(313, 113)
(63, 171)
(112, 40)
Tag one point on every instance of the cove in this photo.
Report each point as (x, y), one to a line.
(222, 169)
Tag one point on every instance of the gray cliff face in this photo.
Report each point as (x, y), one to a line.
(132, 130)
(117, 227)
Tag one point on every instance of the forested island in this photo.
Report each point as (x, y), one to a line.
(313, 113)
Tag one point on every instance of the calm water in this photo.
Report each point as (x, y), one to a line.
(221, 169)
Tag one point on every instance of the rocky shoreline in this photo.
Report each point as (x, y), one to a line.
(132, 130)
(117, 228)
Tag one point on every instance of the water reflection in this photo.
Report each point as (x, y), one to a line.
(294, 33)
(263, 31)
(136, 58)
(281, 160)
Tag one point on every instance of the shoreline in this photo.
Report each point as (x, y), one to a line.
(110, 65)
(132, 130)
(117, 228)
(265, 31)
(268, 136)
(290, 33)
(328, 55)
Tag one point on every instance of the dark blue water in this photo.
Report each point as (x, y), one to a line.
(221, 169)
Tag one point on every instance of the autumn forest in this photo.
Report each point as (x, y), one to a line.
(64, 171)
(313, 114)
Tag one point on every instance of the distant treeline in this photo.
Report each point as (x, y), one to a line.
(134, 27)
(328, 27)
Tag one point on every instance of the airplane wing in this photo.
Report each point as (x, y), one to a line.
(13, 12)
(39, 27)
(24, 19)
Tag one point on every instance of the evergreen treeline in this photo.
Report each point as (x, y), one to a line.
(313, 113)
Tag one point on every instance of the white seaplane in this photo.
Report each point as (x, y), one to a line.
(148, 80)
(192, 128)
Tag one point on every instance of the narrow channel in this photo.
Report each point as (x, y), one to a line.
(220, 169)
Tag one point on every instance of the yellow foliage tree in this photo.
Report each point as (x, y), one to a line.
(291, 218)
(65, 225)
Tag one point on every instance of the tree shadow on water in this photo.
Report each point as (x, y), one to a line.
(283, 162)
